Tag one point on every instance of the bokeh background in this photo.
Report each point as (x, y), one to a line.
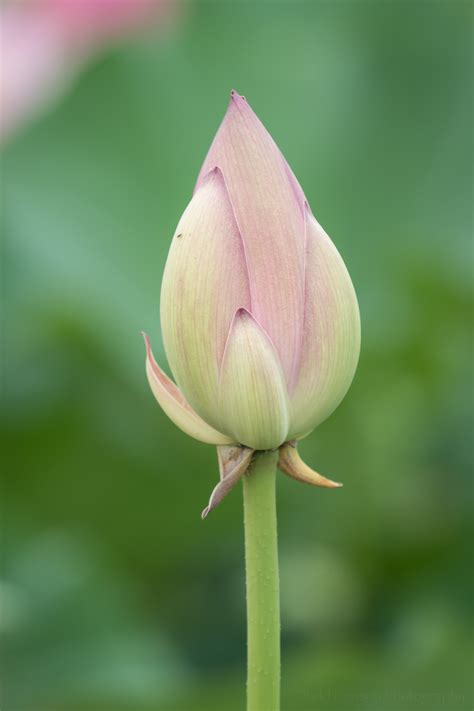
(115, 595)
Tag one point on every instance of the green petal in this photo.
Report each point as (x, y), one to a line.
(204, 283)
(253, 400)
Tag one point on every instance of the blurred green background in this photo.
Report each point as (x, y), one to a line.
(115, 595)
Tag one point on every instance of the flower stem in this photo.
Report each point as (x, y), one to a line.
(263, 588)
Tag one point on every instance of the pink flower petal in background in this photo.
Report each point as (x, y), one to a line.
(45, 42)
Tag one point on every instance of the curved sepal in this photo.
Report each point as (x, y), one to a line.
(174, 404)
(233, 463)
(291, 464)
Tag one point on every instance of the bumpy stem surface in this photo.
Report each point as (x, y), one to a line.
(263, 588)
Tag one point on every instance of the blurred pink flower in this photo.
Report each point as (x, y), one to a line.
(45, 42)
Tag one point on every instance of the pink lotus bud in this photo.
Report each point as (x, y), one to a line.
(259, 316)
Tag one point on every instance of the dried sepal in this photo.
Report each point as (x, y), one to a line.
(233, 463)
(291, 464)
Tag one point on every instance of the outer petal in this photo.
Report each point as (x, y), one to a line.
(253, 400)
(331, 342)
(268, 203)
(205, 281)
(175, 405)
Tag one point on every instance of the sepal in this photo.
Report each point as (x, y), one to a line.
(233, 463)
(291, 464)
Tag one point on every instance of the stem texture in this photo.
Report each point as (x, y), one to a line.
(263, 587)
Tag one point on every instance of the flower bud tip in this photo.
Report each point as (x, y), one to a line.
(238, 98)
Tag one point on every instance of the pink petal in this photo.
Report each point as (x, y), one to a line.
(267, 203)
(331, 340)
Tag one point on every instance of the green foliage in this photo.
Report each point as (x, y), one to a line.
(116, 595)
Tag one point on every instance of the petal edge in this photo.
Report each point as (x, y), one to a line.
(176, 407)
(331, 342)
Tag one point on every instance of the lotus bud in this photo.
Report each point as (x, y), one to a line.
(259, 316)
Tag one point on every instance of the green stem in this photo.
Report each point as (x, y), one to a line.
(263, 588)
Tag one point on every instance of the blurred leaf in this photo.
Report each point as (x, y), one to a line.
(116, 594)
